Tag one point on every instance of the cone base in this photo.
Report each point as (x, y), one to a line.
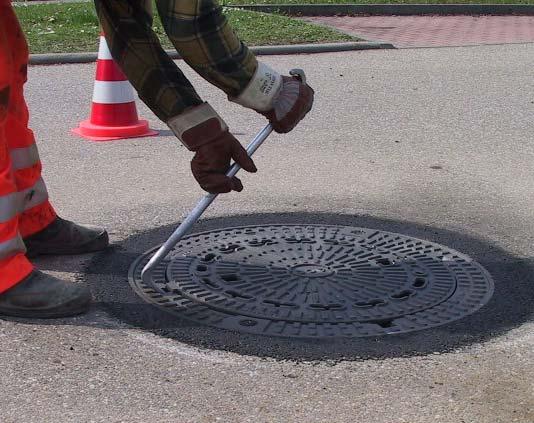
(94, 132)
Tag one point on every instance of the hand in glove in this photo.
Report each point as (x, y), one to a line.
(284, 100)
(293, 102)
(201, 130)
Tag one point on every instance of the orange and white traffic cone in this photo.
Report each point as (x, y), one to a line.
(113, 112)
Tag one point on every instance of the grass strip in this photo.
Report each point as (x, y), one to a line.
(73, 27)
(244, 2)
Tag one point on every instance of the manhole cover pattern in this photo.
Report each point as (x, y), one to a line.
(314, 281)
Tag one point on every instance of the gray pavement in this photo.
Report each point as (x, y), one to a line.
(435, 143)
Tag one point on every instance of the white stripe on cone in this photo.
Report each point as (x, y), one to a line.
(103, 50)
(113, 92)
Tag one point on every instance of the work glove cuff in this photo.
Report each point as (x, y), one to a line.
(197, 126)
(262, 89)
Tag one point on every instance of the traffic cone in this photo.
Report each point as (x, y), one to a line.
(113, 111)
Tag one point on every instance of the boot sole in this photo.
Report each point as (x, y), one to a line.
(74, 310)
(97, 244)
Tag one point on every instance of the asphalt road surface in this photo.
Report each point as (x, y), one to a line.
(433, 143)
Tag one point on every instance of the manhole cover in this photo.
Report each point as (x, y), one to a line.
(314, 281)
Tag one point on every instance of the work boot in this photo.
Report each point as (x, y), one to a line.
(41, 296)
(62, 237)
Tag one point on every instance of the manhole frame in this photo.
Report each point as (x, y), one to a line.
(252, 326)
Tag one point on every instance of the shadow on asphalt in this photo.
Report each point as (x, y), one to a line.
(511, 305)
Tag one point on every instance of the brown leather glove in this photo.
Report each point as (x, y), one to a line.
(212, 161)
(201, 130)
(292, 103)
(284, 100)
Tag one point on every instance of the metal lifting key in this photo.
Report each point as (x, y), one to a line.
(206, 201)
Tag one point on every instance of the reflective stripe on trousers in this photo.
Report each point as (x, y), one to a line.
(24, 206)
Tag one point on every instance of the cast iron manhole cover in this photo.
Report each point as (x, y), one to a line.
(314, 281)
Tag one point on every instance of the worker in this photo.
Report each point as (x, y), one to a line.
(29, 225)
(203, 37)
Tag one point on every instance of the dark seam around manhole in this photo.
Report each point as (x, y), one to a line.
(314, 281)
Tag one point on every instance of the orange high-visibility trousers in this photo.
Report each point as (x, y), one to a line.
(24, 206)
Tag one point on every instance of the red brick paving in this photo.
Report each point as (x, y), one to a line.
(435, 31)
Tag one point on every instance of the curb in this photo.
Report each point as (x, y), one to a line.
(64, 58)
(390, 9)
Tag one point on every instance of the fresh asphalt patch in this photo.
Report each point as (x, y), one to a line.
(509, 307)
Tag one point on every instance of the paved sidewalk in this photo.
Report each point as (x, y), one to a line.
(435, 31)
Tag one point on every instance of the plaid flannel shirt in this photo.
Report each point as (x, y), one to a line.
(200, 33)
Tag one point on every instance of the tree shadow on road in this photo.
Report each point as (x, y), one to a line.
(511, 305)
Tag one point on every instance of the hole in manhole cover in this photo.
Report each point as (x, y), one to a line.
(314, 281)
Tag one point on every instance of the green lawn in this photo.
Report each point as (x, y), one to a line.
(73, 27)
(242, 2)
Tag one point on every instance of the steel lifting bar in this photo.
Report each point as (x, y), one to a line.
(206, 201)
